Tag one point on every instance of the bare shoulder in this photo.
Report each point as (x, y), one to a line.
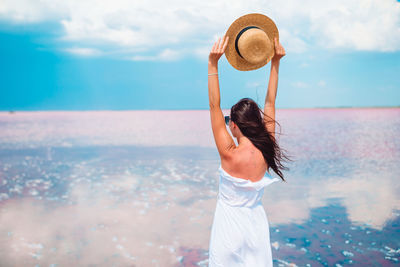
(245, 163)
(232, 160)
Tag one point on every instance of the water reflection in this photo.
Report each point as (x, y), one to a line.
(115, 202)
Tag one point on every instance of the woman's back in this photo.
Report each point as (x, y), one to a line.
(247, 162)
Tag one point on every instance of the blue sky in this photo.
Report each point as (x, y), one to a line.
(58, 56)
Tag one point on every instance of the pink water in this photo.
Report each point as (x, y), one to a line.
(138, 188)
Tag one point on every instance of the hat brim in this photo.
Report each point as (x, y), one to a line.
(254, 19)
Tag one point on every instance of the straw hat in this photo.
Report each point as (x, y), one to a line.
(251, 41)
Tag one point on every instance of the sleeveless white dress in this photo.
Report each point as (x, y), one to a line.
(240, 230)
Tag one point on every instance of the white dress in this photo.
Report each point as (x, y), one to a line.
(240, 229)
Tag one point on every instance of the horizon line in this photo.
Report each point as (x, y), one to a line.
(83, 110)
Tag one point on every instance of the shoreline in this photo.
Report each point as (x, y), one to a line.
(119, 110)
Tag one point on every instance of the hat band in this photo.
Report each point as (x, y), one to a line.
(238, 36)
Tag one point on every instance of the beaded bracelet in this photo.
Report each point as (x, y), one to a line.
(212, 74)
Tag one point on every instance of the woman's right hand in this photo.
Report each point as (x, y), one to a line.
(279, 50)
(218, 50)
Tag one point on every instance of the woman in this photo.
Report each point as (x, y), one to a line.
(240, 230)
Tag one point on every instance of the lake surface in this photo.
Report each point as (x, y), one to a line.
(139, 188)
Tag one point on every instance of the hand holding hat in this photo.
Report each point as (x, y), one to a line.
(279, 51)
(218, 50)
(252, 38)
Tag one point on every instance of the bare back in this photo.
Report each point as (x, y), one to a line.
(246, 162)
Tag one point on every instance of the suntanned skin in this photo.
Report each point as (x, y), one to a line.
(245, 160)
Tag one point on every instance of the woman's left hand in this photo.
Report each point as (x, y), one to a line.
(279, 51)
(218, 50)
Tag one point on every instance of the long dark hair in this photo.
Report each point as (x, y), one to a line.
(247, 116)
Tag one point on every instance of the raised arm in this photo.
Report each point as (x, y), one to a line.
(223, 139)
(269, 108)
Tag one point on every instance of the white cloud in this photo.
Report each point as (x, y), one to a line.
(202, 52)
(321, 83)
(304, 65)
(360, 25)
(291, 42)
(81, 51)
(29, 11)
(165, 55)
(253, 84)
(300, 84)
(138, 27)
(169, 54)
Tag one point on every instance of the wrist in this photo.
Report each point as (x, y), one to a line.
(212, 63)
(212, 67)
(275, 61)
